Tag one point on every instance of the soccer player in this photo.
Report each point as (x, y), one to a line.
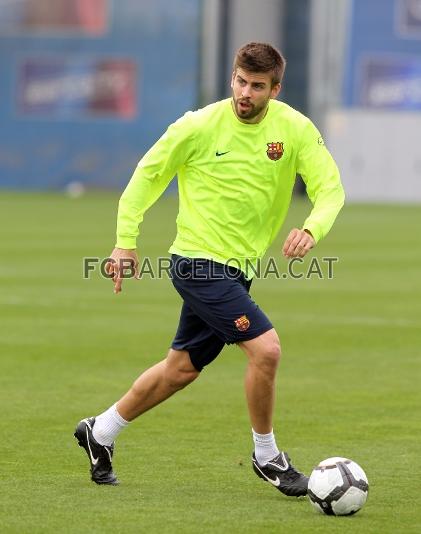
(236, 162)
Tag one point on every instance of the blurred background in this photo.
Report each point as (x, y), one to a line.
(88, 85)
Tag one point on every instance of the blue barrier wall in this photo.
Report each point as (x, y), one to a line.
(383, 67)
(85, 91)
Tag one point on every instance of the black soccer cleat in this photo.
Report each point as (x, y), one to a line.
(282, 475)
(100, 456)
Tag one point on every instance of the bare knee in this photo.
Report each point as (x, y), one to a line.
(268, 358)
(178, 369)
(264, 351)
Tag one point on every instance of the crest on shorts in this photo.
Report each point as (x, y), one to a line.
(242, 323)
(275, 151)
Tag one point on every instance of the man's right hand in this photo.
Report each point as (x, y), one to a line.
(122, 264)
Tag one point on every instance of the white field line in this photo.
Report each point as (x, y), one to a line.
(342, 319)
(363, 320)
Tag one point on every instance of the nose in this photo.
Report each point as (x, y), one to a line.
(245, 93)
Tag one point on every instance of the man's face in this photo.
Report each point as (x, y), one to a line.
(251, 93)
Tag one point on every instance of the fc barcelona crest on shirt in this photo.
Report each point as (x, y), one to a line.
(275, 151)
(242, 323)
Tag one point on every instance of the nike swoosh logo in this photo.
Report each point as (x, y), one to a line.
(221, 153)
(275, 482)
(93, 460)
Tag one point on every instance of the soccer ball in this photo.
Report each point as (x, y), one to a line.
(338, 486)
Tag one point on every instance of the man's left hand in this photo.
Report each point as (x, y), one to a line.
(298, 243)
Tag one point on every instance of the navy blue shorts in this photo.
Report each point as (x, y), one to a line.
(217, 308)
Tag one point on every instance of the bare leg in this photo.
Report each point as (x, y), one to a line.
(157, 384)
(263, 358)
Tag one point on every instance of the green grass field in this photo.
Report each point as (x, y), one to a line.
(349, 382)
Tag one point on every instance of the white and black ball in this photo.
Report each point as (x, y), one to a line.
(338, 486)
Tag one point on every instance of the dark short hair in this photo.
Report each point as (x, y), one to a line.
(261, 57)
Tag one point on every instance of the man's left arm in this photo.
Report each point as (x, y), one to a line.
(324, 189)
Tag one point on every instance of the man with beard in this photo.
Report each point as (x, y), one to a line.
(236, 162)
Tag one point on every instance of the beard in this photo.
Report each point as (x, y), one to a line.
(246, 110)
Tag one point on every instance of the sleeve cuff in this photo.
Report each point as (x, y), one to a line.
(127, 243)
(315, 230)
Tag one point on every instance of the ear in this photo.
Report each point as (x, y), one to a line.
(276, 89)
(232, 79)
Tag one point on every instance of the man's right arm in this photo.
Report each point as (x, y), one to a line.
(150, 179)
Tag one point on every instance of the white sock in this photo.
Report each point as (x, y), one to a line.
(265, 448)
(108, 426)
